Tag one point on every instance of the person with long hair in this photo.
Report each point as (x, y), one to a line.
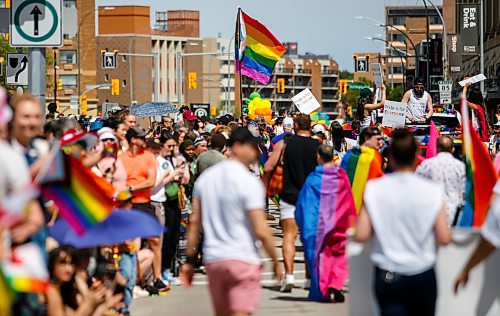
(366, 105)
(475, 102)
(338, 142)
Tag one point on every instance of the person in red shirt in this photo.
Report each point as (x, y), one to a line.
(141, 166)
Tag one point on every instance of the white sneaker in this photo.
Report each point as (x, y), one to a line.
(138, 292)
(307, 284)
(175, 281)
(287, 283)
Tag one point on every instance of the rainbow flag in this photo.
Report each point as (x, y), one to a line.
(256, 49)
(7, 295)
(323, 213)
(480, 173)
(83, 199)
(361, 164)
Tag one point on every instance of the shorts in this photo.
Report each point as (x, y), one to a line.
(234, 285)
(287, 211)
(159, 211)
(145, 207)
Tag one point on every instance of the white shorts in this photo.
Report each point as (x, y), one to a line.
(287, 211)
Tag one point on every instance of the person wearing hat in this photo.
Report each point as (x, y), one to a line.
(229, 201)
(419, 102)
(200, 146)
(189, 119)
(141, 166)
(287, 130)
(109, 167)
(367, 106)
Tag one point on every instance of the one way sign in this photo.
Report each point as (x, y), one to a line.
(17, 69)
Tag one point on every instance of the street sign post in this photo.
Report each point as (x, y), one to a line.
(445, 88)
(73, 102)
(109, 60)
(17, 69)
(36, 23)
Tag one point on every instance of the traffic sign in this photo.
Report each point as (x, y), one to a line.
(200, 109)
(445, 88)
(36, 23)
(17, 69)
(109, 60)
(361, 65)
(73, 102)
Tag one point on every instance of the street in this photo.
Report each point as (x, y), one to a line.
(196, 300)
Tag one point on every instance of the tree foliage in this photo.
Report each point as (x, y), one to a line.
(345, 74)
(395, 94)
(5, 48)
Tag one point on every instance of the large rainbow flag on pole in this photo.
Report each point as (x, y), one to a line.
(83, 199)
(257, 50)
(480, 173)
(361, 164)
(323, 213)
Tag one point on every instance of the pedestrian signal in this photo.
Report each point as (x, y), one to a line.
(280, 85)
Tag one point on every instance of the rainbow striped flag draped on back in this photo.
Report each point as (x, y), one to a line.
(83, 198)
(257, 50)
(480, 173)
(361, 164)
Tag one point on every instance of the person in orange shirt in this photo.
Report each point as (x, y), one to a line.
(141, 166)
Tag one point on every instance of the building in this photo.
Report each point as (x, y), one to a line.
(408, 30)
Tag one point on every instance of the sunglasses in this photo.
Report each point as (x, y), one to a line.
(108, 140)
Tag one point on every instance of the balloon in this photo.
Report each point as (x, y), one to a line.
(247, 101)
(254, 95)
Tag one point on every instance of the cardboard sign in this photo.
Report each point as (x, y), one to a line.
(476, 78)
(394, 114)
(378, 76)
(306, 102)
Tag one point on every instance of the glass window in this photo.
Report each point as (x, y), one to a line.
(68, 81)
(397, 20)
(398, 37)
(124, 83)
(106, 77)
(67, 56)
(70, 3)
(434, 20)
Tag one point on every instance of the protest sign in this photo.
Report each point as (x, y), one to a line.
(378, 76)
(394, 114)
(306, 102)
(476, 78)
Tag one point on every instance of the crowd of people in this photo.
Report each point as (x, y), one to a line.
(209, 182)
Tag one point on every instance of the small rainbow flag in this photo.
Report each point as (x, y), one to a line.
(361, 164)
(83, 198)
(480, 173)
(257, 50)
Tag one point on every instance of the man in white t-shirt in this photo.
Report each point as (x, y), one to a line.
(490, 239)
(229, 202)
(419, 103)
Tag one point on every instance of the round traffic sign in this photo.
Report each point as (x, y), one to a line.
(17, 23)
(201, 112)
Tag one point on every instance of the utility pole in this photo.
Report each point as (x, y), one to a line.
(54, 50)
(37, 75)
(481, 43)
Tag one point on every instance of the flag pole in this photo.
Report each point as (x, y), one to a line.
(237, 74)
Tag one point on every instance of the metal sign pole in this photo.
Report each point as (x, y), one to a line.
(37, 74)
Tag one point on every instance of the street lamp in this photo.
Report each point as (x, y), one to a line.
(445, 49)
(399, 53)
(78, 42)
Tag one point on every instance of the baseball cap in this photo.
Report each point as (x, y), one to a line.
(96, 125)
(244, 135)
(189, 115)
(365, 92)
(318, 128)
(87, 140)
(106, 133)
(136, 132)
(288, 122)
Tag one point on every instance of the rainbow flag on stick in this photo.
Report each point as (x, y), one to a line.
(361, 164)
(480, 173)
(83, 198)
(257, 50)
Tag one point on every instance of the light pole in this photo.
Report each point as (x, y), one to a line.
(397, 50)
(445, 48)
(78, 42)
(228, 105)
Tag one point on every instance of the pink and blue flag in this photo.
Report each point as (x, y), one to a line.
(323, 213)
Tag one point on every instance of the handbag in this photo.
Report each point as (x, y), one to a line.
(172, 191)
(275, 186)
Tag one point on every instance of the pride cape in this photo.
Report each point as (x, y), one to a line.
(257, 50)
(480, 173)
(83, 199)
(323, 213)
(361, 164)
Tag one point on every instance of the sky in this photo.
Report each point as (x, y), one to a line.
(319, 26)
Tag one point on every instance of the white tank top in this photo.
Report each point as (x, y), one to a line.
(418, 107)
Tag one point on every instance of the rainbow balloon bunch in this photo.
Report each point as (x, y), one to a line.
(320, 118)
(258, 107)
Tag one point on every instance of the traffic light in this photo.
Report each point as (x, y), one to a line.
(59, 84)
(280, 85)
(115, 86)
(83, 104)
(343, 86)
(349, 110)
(192, 82)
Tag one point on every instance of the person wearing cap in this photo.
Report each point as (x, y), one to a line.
(189, 119)
(200, 146)
(141, 167)
(419, 102)
(367, 106)
(109, 166)
(229, 201)
(287, 130)
(299, 160)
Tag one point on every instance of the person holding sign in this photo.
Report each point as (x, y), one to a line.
(419, 102)
(367, 104)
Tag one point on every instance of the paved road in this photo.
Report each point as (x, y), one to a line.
(196, 300)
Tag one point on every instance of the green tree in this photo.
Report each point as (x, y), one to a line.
(395, 94)
(5, 48)
(345, 74)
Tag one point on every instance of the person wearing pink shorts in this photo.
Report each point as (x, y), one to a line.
(229, 202)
